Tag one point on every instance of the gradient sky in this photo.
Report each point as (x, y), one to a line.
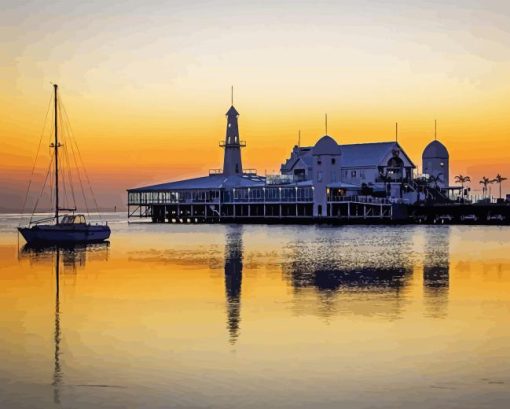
(147, 85)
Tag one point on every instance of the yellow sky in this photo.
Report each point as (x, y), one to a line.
(146, 86)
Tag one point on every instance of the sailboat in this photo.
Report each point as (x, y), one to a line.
(62, 228)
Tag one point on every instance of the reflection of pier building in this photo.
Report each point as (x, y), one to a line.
(327, 180)
(436, 270)
(348, 282)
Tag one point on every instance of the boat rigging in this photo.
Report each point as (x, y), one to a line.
(66, 228)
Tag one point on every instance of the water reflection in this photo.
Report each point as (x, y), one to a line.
(57, 370)
(436, 271)
(351, 275)
(71, 258)
(233, 279)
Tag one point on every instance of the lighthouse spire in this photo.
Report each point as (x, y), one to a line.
(232, 163)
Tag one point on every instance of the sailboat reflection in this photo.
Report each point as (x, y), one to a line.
(71, 258)
(233, 280)
(436, 271)
(57, 370)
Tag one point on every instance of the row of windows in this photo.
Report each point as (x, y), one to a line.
(245, 194)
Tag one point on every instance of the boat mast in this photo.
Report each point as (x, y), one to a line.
(55, 86)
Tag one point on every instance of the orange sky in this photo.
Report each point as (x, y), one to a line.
(146, 86)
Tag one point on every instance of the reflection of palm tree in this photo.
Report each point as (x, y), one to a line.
(485, 182)
(499, 180)
(462, 180)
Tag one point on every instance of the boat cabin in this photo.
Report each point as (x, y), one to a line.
(73, 219)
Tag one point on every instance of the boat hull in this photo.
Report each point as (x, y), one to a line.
(64, 234)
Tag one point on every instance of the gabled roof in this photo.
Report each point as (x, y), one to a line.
(291, 163)
(368, 154)
(359, 154)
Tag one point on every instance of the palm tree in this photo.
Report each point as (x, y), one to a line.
(462, 180)
(499, 179)
(434, 180)
(485, 182)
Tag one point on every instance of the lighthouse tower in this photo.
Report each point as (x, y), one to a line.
(232, 164)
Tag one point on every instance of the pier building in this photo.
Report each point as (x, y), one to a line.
(328, 181)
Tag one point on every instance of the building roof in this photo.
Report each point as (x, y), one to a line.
(435, 149)
(367, 154)
(353, 155)
(206, 182)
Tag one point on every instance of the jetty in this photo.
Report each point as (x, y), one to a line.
(328, 182)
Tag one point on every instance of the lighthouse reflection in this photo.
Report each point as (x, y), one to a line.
(233, 279)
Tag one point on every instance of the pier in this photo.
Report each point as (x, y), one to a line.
(329, 182)
(259, 205)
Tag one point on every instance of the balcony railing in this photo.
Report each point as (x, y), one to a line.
(239, 144)
(361, 199)
(394, 179)
(215, 172)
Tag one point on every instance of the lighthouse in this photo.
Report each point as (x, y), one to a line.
(232, 164)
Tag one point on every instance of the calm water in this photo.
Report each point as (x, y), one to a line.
(224, 316)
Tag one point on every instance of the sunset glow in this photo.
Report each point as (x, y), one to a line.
(146, 85)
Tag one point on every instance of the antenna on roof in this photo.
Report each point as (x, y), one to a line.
(232, 95)
(435, 129)
(396, 131)
(326, 123)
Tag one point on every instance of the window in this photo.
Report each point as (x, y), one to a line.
(353, 173)
(333, 161)
(237, 168)
(319, 176)
(319, 162)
